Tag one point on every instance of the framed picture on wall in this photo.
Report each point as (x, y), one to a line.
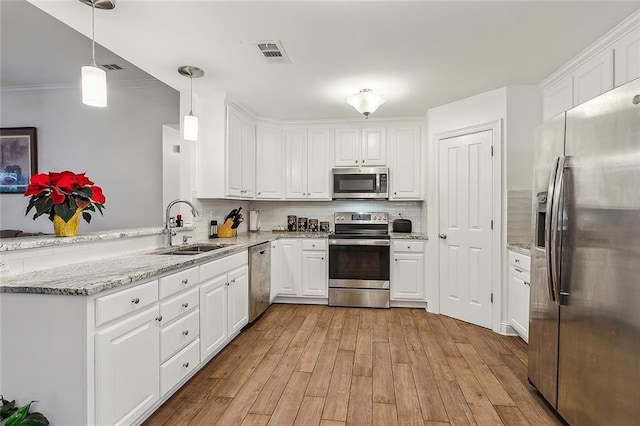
(18, 158)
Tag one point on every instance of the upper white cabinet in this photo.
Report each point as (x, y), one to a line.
(593, 78)
(627, 57)
(404, 162)
(610, 62)
(269, 170)
(241, 155)
(360, 146)
(307, 169)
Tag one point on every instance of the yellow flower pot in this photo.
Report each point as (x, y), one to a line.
(67, 229)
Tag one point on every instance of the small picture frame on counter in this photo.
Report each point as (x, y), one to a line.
(302, 224)
(292, 223)
(313, 225)
(324, 226)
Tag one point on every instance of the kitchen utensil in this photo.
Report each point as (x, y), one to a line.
(236, 222)
(402, 225)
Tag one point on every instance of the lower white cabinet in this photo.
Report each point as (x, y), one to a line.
(299, 268)
(224, 299)
(112, 358)
(127, 366)
(518, 293)
(407, 270)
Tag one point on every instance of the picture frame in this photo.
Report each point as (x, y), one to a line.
(18, 158)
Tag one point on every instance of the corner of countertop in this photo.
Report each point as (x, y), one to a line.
(520, 248)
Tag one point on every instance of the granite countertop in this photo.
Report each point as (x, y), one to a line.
(89, 278)
(408, 236)
(520, 248)
(21, 243)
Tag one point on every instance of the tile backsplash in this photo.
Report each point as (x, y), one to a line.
(519, 216)
(274, 213)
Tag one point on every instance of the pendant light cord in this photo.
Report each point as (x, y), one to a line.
(191, 93)
(93, 33)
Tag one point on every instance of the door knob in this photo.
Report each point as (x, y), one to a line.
(443, 236)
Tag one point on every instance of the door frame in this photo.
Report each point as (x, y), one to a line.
(498, 187)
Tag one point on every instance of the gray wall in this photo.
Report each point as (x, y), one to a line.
(119, 147)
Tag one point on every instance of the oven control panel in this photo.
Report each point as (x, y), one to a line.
(361, 217)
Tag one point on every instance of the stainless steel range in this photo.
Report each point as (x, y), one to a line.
(359, 255)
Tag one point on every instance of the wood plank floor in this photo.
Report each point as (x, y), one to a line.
(320, 365)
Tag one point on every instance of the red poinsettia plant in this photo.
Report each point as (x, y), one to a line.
(62, 194)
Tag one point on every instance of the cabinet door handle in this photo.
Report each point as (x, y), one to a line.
(518, 270)
(442, 236)
(185, 305)
(526, 283)
(159, 318)
(185, 365)
(135, 301)
(322, 258)
(517, 260)
(362, 161)
(409, 247)
(259, 193)
(233, 280)
(395, 260)
(356, 161)
(186, 332)
(395, 193)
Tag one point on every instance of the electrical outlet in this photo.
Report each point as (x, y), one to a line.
(4, 267)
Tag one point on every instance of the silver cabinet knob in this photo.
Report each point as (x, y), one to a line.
(185, 281)
(159, 318)
(443, 236)
(185, 365)
(186, 332)
(135, 301)
(517, 260)
(185, 305)
(356, 161)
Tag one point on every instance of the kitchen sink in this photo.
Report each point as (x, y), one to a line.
(192, 249)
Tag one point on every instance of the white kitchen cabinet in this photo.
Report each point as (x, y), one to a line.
(241, 156)
(224, 302)
(557, 97)
(307, 171)
(407, 270)
(627, 58)
(299, 268)
(314, 273)
(405, 162)
(593, 78)
(237, 301)
(269, 170)
(127, 368)
(360, 147)
(519, 288)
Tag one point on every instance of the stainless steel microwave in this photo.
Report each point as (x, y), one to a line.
(361, 183)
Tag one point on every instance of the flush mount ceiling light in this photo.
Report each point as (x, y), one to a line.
(366, 101)
(94, 79)
(190, 127)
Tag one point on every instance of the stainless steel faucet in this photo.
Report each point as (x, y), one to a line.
(167, 227)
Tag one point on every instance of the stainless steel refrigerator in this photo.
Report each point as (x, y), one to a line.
(584, 331)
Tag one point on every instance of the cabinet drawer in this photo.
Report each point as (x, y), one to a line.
(408, 246)
(313, 244)
(172, 308)
(176, 336)
(173, 283)
(178, 367)
(520, 261)
(222, 266)
(125, 302)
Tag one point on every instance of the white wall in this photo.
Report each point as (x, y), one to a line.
(119, 147)
(524, 114)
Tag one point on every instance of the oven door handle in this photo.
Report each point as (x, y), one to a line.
(359, 242)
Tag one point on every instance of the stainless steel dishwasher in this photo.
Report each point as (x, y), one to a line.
(259, 279)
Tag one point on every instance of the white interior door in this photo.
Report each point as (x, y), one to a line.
(466, 197)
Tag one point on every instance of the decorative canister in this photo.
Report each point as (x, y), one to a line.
(292, 223)
(324, 226)
(302, 224)
(313, 225)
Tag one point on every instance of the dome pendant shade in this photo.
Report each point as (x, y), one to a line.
(94, 86)
(366, 101)
(190, 126)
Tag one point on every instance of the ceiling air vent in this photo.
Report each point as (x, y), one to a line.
(273, 52)
(111, 67)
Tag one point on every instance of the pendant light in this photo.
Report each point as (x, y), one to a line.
(190, 127)
(366, 101)
(94, 79)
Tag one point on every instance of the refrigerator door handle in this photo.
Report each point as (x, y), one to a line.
(547, 227)
(556, 228)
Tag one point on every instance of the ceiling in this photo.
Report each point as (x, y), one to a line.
(418, 54)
